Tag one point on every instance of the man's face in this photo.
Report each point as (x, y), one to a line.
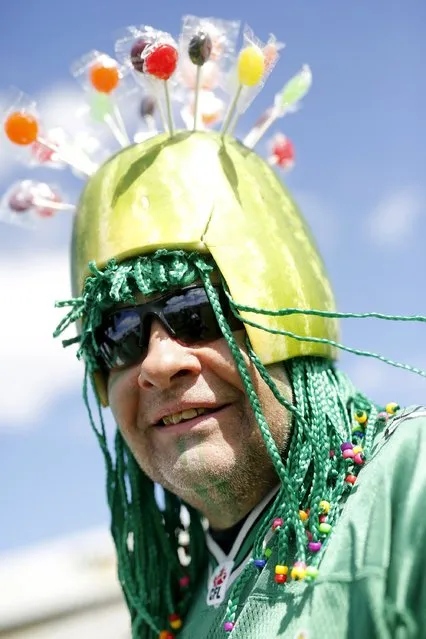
(216, 453)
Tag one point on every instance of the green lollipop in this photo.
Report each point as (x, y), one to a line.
(100, 106)
(295, 89)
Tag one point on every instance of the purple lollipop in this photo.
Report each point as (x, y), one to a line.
(136, 54)
(19, 202)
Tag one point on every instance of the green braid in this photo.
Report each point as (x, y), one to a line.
(312, 476)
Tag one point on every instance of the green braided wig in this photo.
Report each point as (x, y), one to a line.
(314, 477)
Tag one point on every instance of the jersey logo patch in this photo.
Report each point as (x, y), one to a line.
(218, 582)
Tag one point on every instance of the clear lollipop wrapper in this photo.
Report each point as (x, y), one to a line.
(286, 101)
(26, 202)
(130, 45)
(23, 127)
(103, 78)
(207, 52)
(207, 45)
(42, 155)
(148, 108)
(210, 108)
(152, 57)
(254, 64)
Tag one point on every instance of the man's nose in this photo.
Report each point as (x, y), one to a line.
(166, 360)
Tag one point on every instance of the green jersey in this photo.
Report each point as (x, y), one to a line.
(372, 577)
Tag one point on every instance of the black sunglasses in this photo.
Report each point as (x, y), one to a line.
(187, 315)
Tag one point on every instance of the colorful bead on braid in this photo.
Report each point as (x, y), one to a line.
(259, 563)
(281, 573)
(361, 416)
(175, 621)
(277, 523)
(298, 571)
(184, 581)
(392, 408)
(311, 573)
(383, 416)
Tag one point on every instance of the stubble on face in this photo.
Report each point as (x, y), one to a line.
(225, 469)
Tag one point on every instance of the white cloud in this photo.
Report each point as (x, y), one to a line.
(35, 369)
(393, 220)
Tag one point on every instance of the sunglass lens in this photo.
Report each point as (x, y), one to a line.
(191, 317)
(120, 342)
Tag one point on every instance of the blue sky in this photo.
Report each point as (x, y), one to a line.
(361, 155)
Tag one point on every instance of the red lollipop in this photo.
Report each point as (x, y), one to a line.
(161, 61)
(282, 152)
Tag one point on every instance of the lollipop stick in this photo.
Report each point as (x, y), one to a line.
(116, 131)
(119, 120)
(150, 123)
(197, 94)
(231, 110)
(55, 206)
(83, 165)
(254, 136)
(169, 109)
(162, 116)
(158, 98)
(234, 122)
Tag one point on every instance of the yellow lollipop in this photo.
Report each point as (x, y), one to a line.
(251, 66)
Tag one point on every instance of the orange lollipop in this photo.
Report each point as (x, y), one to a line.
(104, 77)
(21, 128)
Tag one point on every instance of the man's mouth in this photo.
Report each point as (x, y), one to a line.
(185, 415)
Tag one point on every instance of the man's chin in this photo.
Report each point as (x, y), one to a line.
(204, 465)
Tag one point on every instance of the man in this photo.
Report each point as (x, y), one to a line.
(293, 505)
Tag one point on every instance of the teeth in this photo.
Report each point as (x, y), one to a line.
(190, 413)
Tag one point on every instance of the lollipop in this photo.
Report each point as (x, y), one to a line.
(282, 152)
(147, 106)
(47, 201)
(199, 51)
(147, 110)
(22, 128)
(160, 60)
(210, 109)
(200, 48)
(104, 76)
(136, 54)
(251, 66)
(250, 69)
(28, 200)
(20, 200)
(17, 206)
(101, 76)
(286, 101)
(271, 52)
(43, 155)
